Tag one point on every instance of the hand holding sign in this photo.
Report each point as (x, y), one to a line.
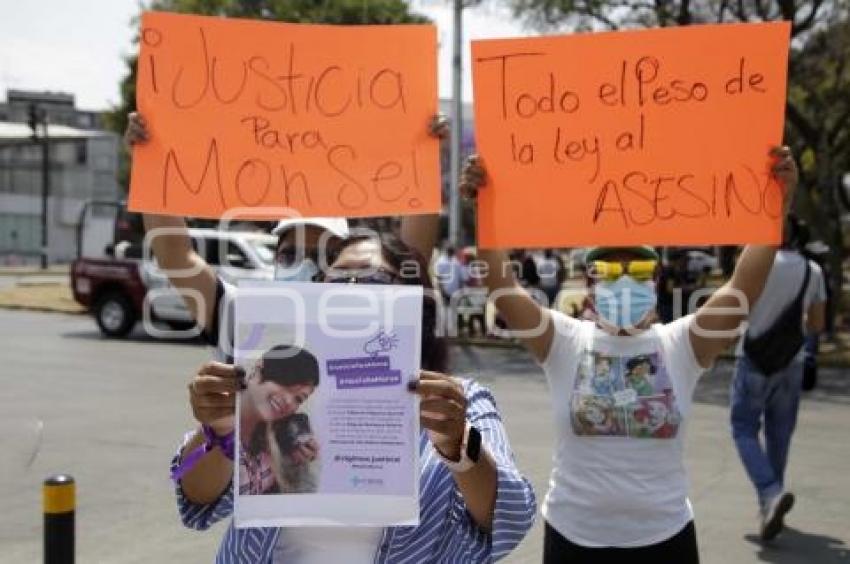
(442, 411)
(322, 119)
(652, 137)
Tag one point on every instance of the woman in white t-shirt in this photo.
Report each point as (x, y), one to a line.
(622, 388)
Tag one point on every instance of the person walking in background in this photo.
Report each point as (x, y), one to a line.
(450, 273)
(472, 307)
(528, 274)
(552, 274)
(676, 285)
(768, 375)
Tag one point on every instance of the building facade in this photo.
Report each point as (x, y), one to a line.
(83, 166)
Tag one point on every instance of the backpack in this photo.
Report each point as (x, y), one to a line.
(773, 350)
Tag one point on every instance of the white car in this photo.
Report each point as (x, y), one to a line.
(234, 255)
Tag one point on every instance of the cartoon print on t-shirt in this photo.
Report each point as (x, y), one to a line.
(639, 372)
(596, 415)
(653, 417)
(624, 396)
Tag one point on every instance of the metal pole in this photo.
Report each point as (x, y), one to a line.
(60, 501)
(457, 125)
(45, 187)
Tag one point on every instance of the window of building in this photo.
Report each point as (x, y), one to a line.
(82, 152)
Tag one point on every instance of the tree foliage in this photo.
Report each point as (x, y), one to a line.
(616, 14)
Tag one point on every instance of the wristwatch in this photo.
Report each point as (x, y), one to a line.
(470, 451)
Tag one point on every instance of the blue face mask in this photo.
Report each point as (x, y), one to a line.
(625, 302)
(303, 272)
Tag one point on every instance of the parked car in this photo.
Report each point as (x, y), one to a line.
(117, 289)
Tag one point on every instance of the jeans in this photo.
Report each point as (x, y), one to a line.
(777, 400)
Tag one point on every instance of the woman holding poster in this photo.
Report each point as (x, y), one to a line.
(622, 388)
(475, 505)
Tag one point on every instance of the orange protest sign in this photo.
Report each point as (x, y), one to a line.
(327, 120)
(641, 137)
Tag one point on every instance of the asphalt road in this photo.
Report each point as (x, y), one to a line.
(113, 411)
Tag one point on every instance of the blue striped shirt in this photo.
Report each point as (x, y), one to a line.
(446, 533)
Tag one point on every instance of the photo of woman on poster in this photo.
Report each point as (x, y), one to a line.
(277, 444)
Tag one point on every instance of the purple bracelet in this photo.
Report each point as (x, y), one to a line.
(211, 440)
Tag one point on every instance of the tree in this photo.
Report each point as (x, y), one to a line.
(348, 12)
(616, 14)
(818, 106)
(819, 131)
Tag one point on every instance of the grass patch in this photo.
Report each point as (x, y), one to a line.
(40, 297)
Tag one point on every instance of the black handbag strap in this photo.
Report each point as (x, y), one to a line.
(798, 301)
(796, 305)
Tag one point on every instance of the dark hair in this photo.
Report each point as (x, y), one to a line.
(285, 365)
(288, 366)
(637, 361)
(398, 254)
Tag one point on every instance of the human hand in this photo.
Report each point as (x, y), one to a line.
(472, 178)
(442, 411)
(439, 127)
(137, 131)
(212, 395)
(785, 171)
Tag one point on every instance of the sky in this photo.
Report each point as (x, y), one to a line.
(78, 46)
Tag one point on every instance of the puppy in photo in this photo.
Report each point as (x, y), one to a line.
(289, 440)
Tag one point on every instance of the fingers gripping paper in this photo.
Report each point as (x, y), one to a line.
(327, 120)
(644, 137)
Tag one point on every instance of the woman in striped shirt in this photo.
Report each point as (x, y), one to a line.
(470, 510)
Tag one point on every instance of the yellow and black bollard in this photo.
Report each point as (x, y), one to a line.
(59, 494)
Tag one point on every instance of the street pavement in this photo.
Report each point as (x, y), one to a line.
(112, 412)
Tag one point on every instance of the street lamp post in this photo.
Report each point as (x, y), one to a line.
(38, 116)
(457, 124)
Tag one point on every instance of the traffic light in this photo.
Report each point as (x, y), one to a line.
(32, 120)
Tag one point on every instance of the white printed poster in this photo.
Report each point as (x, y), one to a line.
(327, 431)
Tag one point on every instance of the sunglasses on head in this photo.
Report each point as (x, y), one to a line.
(606, 270)
(374, 276)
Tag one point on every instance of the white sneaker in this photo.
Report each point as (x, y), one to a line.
(772, 521)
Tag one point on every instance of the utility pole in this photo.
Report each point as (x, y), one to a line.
(39, 116)
(457, 125)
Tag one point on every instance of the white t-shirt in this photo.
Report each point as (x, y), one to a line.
(621, 405)
(321, 545)
(783, 284)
